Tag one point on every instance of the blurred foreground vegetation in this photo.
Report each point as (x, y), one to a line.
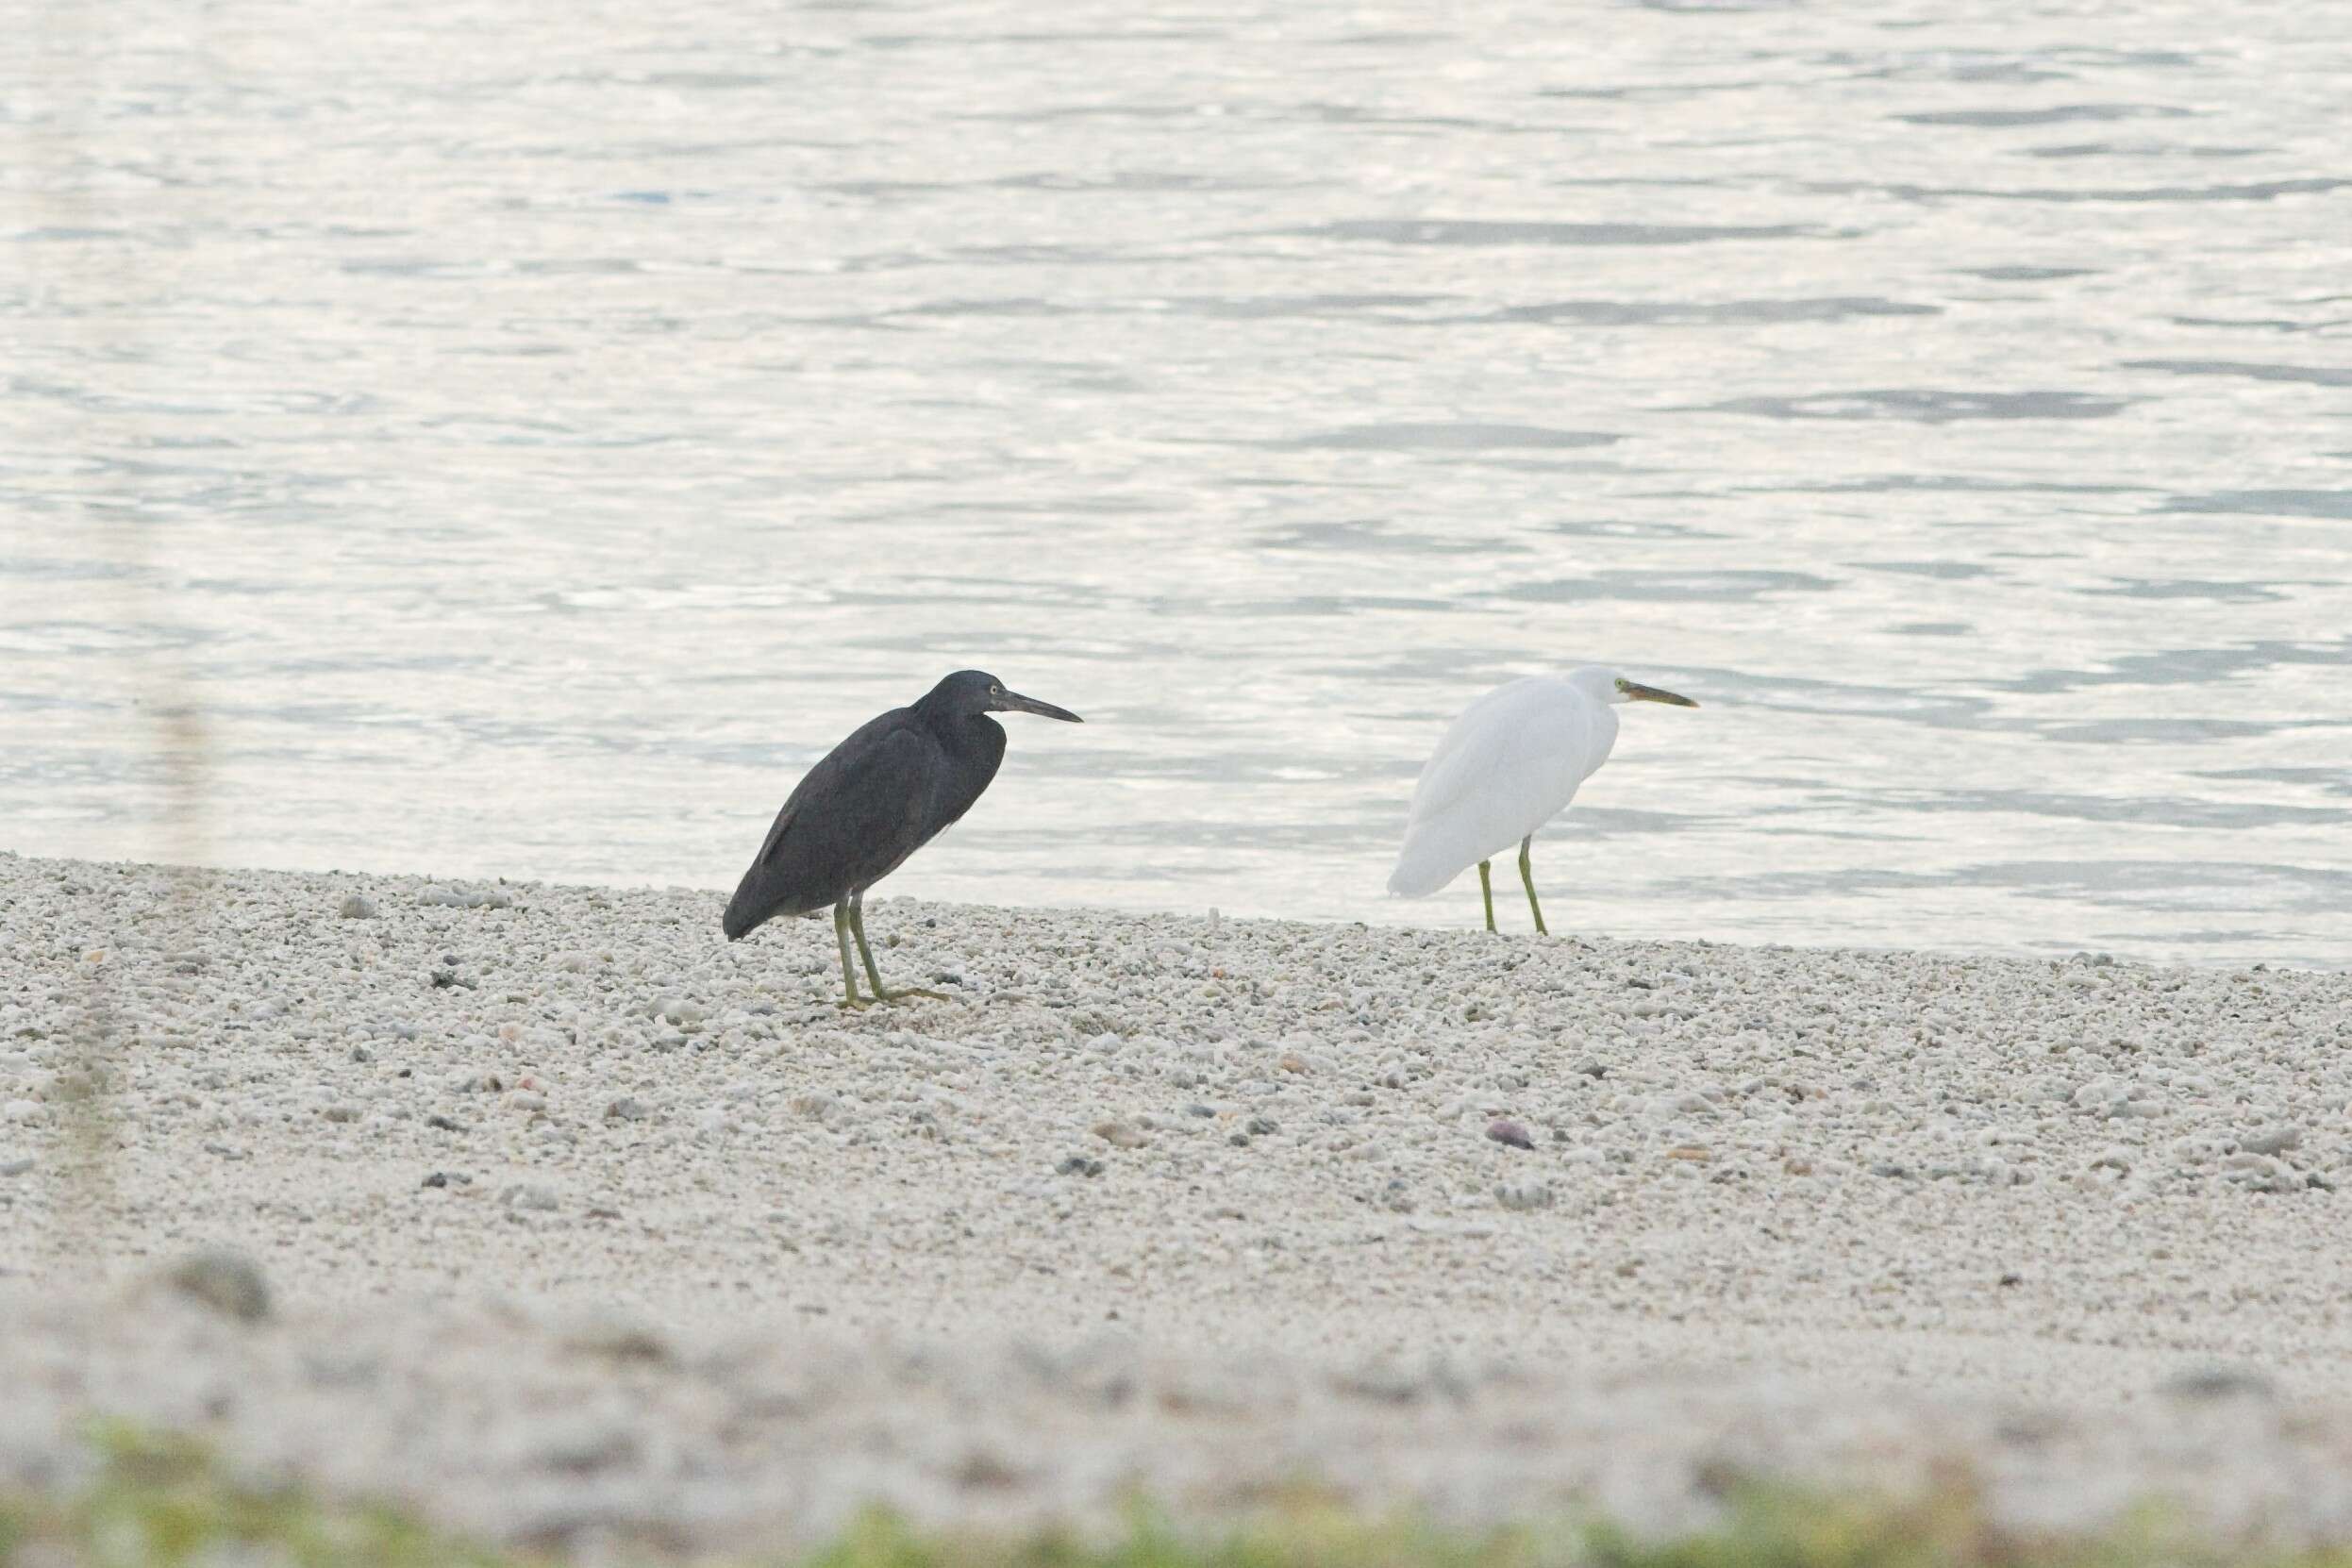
(166, 1502)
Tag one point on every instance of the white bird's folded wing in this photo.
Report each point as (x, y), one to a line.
(1508, 765)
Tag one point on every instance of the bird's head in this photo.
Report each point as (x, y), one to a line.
(1609, 686)
(968, 694)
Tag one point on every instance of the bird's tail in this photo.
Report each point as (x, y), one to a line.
(744, 913)
(735, 924)
(1416, 876)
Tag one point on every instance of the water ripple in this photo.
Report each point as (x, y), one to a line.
(1426, 231)
(2311, 375)
(1927, 405)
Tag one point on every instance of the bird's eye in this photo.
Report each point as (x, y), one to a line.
(996, 691)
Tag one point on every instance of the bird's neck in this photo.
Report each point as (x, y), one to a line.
(975, 733)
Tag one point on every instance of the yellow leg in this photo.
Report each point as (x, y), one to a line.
(1527, 874)
(857, 929)
(851, 1001)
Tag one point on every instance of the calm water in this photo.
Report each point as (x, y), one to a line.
(517, 438)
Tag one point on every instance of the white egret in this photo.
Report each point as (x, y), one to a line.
(1510, 764)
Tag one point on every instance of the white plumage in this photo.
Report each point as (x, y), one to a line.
(1510, 764)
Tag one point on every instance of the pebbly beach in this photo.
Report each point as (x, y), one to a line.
(548, 1211)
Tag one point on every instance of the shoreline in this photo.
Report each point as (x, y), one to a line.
(1481, 1225)
(1459, 898)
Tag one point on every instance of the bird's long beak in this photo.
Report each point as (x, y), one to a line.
(1013, 702)
(1635, 692)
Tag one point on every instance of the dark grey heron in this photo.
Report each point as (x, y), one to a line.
(873, 800)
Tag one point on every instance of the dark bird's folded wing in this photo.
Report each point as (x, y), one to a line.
(859, 812)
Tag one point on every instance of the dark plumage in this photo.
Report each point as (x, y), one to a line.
(874, 799)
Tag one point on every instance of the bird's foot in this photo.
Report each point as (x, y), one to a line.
(860, 1004)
